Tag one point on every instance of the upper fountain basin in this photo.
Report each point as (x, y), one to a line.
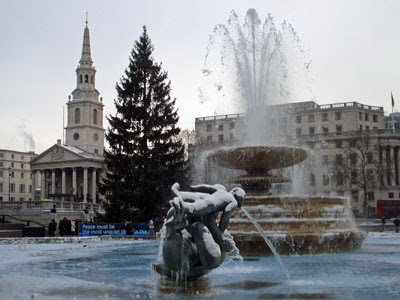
(253, 158)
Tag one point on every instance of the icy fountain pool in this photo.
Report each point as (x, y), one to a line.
(120, 269)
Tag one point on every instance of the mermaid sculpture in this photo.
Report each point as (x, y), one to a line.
(194, 243)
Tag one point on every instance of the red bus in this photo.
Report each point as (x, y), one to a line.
(388, 208)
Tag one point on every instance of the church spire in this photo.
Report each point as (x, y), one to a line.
(86, 58)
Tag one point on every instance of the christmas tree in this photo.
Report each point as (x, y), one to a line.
(145, 155)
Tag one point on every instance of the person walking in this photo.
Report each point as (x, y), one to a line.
(396, 223)
(52, 227)
(383, 223)
(151, 227)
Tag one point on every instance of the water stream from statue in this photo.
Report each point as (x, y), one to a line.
(270, 245)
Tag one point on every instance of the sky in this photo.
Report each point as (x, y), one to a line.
(354, 47)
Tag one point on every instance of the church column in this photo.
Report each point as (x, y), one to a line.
(389, 164)
(85, 184)
(94, 185)
(53, 181)
(42, 184)
(75, 192)
(63, 181)
(33, 174)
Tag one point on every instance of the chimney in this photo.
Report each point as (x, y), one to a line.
(58, 142)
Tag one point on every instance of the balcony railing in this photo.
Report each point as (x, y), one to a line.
(48, 205)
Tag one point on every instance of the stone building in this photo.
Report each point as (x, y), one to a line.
(72, 171)
(15, 175)
(327, 131)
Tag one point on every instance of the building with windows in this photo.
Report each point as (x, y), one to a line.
(330, 132)
(72, 171)
(15, 175)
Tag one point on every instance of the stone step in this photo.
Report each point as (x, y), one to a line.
(10, 233)
(11, 226)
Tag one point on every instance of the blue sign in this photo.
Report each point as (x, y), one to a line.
(92, 229)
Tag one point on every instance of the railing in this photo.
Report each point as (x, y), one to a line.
(220, 117)
(48, 205)
(371, 132)
(3, 219)
(350, 104)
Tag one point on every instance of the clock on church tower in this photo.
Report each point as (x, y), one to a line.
(84, 128)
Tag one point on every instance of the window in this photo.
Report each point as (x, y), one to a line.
(390, 195)
(231, 137)
(339, 144)
(340, 193)
(1, 173)
(209, 127)
(12, 155)
(339, 179)
(91, 79)
(12, 199)
(311, 118)
(1, 187)
(77, 115)
(325, 159)
(298, 131)
(80, 79)
(325, 130)
(360, 116)
(1, 198)
(12, 187)
(12, 165)
(354, 195)
(339, 159)
(22, 175)
(96, 151)
(21, 198)
(22, 166)
(30, 188)
(324, 117)
(338, 115)
(353, 177)
(352, 143)
(94, 116)
(209, 138)
(370, 158)
(366, 117)
(86, 78)
(370, 196)
(1, 155)
(231, 126)
(311, 131)
(221, 138)
(312, 179)
(339, 129)
(221, 127)
(325, 179)
(1, 164)
(12, 174)
(22, 188)
(298, 119)
(374, 118)
(353, 158)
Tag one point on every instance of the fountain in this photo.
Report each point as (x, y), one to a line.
(257, 65)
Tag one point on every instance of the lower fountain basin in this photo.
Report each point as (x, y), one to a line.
(296, 225)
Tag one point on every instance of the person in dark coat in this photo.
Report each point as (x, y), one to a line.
(62, 227)
(383, 223)
(396, 223)
(52, 227)
(128, 228)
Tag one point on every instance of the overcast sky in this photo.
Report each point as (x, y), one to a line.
(354, 47)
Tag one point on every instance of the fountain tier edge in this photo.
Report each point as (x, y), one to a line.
(296, 225)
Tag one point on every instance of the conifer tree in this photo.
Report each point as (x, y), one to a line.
(145, 157)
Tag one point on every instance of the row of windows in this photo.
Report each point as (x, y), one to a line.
(220, 138)
(22, 174)
(338, 116)
(220, 127)
(12, 199)
(11, 165)
(12, 188)
(325, 130)
(12, 156)
(78, 116)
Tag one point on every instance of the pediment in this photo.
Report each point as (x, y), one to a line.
(57, 153)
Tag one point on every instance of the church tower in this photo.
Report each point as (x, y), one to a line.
(84, 128)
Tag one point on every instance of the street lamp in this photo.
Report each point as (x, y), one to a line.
(9, 183)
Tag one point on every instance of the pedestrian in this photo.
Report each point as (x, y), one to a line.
(383, 223)
(128, 228)
(52, 227)
(151, 227)
(396, 224)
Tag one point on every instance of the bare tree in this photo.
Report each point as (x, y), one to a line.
(360, 164)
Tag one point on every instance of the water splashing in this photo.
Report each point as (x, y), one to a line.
(270, 245)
